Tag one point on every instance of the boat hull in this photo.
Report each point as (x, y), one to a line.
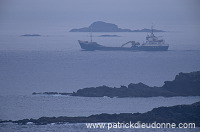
(91, 46)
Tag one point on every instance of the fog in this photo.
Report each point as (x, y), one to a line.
(50, 17)
(78, 13)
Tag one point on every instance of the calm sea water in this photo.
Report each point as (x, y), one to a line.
(54, 62)
(24, 72)
(35, 106)
(79, 128)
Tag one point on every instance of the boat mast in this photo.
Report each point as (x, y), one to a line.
(91, 34)
(152, 29)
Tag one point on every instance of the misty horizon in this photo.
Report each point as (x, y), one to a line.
(73, 13)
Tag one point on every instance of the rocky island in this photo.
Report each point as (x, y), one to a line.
(174, 114)
(184, 84)
(30, 35)
(50, 93)
(100, 26)
(109, 35)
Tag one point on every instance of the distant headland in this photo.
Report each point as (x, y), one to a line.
(101, 26)
(31, 35)
(184, 84)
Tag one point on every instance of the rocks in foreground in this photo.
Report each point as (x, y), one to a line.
(173, 114)
(50, 93)
(184, 84)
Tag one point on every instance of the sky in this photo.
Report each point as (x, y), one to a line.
(80, 13)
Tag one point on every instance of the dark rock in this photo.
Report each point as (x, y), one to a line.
(139, 85)
(185, 84)
(173, 114)
(109, 36)
(133, 90)
(45, 93)
(31, 35)
(51, 93)
(65, 93)
(34, 93)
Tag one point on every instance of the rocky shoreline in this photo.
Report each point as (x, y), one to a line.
(184, 84)
(174, 114)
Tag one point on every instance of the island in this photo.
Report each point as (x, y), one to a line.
(30, 35)
(105, 35)
(100, 26)
(174, 114)
(184, 84)
(50, 93)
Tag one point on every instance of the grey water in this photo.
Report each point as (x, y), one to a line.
(81, 128)
(36, 106)
(55, 62)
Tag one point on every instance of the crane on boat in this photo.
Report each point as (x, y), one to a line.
(133, 43)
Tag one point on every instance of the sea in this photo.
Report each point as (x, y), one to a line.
(54, 62)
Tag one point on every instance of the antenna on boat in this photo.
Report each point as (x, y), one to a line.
(91, 33)
(152, 29)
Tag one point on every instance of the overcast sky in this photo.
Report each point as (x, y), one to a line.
(79, 13)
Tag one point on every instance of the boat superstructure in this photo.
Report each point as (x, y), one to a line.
(152, 43)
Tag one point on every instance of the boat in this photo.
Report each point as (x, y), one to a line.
(152, 43)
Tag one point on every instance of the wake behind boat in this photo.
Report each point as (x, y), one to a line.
(152, 43)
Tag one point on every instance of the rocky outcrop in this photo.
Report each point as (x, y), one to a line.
(100, 26)
(184, 84)
(173, 114)
(133, 90)
(50, 93)
(106, 35)
(31, 35)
